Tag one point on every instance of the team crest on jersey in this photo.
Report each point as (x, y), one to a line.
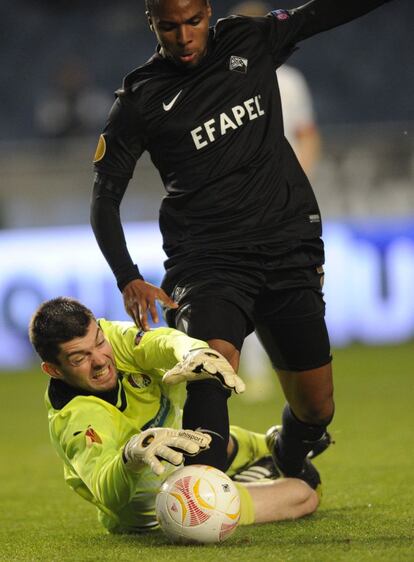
(92, 437)
(238, 64)
(139, 381)
(281, 15)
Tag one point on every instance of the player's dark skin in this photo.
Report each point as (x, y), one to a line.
(181, 27)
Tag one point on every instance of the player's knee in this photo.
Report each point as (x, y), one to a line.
(319, 409)
(320, 413)
(311, 502)
(303, 499)
(307, 499)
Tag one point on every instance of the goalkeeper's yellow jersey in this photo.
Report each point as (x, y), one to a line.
(89, 431)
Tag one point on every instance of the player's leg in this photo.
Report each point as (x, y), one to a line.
(309, 393)
(204, 313)
(276, 500)
(307, 415)
(295, 350)
(291, 326)
(250, 456)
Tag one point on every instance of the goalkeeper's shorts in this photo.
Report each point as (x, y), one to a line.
(247, 513)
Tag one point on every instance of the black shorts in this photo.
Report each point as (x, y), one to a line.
(230, 296)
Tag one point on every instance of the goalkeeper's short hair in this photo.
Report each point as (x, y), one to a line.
(57, 321)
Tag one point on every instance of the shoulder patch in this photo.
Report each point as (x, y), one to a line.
(100, 149)
(281, 14)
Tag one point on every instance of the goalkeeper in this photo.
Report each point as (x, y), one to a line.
(115, 417)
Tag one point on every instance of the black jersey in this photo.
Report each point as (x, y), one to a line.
(215, 133)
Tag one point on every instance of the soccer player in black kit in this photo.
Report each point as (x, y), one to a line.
(240, 223)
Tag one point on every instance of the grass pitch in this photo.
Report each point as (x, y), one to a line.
(367, 512)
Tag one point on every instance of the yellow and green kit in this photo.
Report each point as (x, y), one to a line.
(89, 431)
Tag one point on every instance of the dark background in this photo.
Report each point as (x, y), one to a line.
(361, 72)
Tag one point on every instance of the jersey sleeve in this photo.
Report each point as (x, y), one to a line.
(162, 348)
(153, 352)
(285, 28)
(86, 436)
(122, 141)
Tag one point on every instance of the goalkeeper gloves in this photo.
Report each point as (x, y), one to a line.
(200, 364)
(162, 443)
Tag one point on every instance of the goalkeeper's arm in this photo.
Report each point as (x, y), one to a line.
(183, 358)
(111, 474)
(206, 363)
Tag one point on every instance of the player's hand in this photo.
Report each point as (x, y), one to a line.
(148, 447)
(202, 364)
(140, 299)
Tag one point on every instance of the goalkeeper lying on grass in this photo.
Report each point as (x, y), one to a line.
(115, 417)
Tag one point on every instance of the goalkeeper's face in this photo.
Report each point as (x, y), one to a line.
(86, 362)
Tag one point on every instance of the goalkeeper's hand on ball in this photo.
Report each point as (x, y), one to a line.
(162, 443)
(206, 363)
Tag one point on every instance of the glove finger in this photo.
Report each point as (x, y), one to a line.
(233, 381)
(220, 366)
(210, 367)
(239, 387)
(226, 378)
(173, 457)
(184, 444)
(154, 464)
(195, 366)
(212, 353)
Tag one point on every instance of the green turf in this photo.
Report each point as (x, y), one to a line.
(367, 512)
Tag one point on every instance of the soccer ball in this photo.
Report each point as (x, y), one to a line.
(198, 504)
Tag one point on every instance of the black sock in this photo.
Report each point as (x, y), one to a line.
(206, 408)
(295, 441)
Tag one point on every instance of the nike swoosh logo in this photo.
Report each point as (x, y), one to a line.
(168, 106)
(202, 430)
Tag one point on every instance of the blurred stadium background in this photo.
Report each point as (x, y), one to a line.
(61, 62)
